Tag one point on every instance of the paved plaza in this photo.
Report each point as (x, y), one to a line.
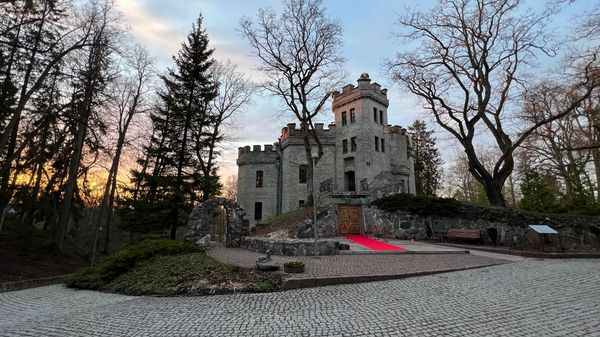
(363, 265)
(526, 298)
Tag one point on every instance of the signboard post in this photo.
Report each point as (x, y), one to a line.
(543, 229)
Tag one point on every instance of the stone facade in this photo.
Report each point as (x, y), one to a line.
(361, 152)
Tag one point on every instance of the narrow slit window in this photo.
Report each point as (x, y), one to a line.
(302, 173)
(353, 144)
(376, 143)
(345, 146)
(259, 179)
(352, 116)
(382, 145)
(381, 117)
(375, 114)
(344, 120)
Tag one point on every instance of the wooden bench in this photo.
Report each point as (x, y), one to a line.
(463, 234)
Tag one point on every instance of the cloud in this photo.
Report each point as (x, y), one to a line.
(154, 32)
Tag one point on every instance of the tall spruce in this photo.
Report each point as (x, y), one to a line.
(171, 178)
(536, 194)
(427, 160)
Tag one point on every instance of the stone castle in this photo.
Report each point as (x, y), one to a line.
(363, 158)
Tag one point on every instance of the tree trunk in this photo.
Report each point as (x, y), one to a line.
(493, 192)
(82, 125)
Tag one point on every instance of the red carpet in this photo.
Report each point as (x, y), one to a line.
(371, 243)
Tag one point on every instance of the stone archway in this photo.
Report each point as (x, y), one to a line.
(200, 222)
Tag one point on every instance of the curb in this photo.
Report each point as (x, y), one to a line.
(297, 283)
(400, 252)
(33, 283)
(527, 253)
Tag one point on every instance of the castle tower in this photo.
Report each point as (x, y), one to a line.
(362, 134)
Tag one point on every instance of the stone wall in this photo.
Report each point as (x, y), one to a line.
(575, 233)
(200, 222)
(290, 247)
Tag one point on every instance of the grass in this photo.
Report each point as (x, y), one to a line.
(289, 221)
(167, 267)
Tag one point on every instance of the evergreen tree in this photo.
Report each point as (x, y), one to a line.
(427, 160)
(171, 175)
(536, 194)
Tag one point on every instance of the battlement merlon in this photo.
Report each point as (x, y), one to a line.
(290, 132)
(256, 154)
(364, 89)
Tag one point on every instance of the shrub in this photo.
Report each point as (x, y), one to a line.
(86, 278)
(417, 204)
(168, 275)
(126, 259)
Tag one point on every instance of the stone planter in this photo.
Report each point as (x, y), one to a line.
(293, 267)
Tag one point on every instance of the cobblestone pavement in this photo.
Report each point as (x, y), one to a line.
(358, 265)
(527, 298)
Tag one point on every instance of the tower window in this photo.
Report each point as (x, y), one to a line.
(375, 114)
(302, 173)
(353, 144)
(345, 146)
(382, 145)
(352, 116)
(257, 210)
(376, 143)
(259, 179)
(381, 117)
(344, 119)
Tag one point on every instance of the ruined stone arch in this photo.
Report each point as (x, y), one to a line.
(200, 221)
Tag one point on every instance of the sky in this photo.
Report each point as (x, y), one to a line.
(162, 25)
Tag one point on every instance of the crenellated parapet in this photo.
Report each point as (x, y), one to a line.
(258, 154)
(292, 135)
(364, 89)
(398, 130)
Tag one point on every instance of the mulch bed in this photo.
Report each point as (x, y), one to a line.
(15, 266)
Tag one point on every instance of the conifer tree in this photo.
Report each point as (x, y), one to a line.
(427, 160)
(536, 194)
(171, 175)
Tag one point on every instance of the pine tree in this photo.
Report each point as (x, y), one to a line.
(536, 194)
(171, 175)
(427, 160)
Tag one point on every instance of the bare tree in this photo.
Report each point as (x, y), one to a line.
(300, 55)
(130, 100)
(234, 93)
(100, 18)
(470, 66)
(230, 188)
(559, 147)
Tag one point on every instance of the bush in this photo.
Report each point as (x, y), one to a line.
(126, 259)
(168, 275)
(86, 278)
(417, 204)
